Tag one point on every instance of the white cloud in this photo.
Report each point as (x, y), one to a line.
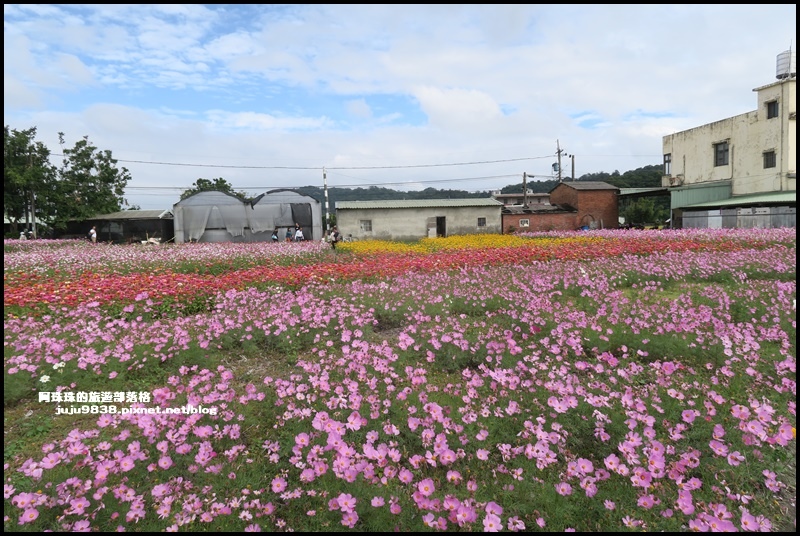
(455, 108)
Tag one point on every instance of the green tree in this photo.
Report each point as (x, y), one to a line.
(644, 211)
(28, 178)
(216, 185)
(89, 183)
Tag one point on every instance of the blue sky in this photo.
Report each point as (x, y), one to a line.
(407, 97)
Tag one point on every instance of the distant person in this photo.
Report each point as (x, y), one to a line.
(93, 235)
(275, 235)
(22, 235)
(335, 236)
(289, 234)
(298, 234)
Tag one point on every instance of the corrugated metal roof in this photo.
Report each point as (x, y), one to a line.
(744, 200)
(134, 215)
(419, 203)
(536, 209)
(587, 185)
(641, 191)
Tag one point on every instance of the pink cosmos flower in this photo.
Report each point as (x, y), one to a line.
(685, 503)
(405, 476)
(426, 487)
(349, 519)
(81, 526)
(647, 501)
(515, 524)
(465, 514)
(740, 412)
(492, 523)
(429, 519)
(454, 477)
(126, 464)
(447, 456)
(278, 484)
(719, 448)
(78, 505)
(28, 516)
(494, 508)
(302, 439)
(346, 502)
(563, 488)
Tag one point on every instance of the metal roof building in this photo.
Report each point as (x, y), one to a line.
(405, 220)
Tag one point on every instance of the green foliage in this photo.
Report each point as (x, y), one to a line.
(645, 211)
(216, 185)
(17, 387)
(28, 177)
(89, 184)
(30, 431)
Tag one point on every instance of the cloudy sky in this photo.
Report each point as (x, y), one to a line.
(399, 96)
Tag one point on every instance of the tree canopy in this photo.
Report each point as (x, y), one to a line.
(28, 176)
(216, 185)
(87, 183)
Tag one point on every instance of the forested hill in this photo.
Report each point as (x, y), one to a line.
(644, 177)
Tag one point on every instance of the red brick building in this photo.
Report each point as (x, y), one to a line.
(573, 205)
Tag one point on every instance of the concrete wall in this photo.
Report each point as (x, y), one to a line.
(405, 224)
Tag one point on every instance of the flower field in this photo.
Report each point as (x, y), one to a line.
(587, 381)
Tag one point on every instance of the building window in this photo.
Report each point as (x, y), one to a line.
(365, 226)
(525, 223)
(481, 222)
(769, 159)
(667, 164)
(721, 154)
(772, 109)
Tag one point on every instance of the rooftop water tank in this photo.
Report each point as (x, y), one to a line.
(786, 65)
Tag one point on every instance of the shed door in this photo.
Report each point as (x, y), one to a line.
(441, 227)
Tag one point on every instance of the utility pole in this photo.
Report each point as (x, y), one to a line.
(558, 153)
(524, 188)
(32, 200)
(327, 204)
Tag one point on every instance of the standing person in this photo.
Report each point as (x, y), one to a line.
(93, 235)
(335, 236)
(298, 233)
(289, 234)
(275, 235)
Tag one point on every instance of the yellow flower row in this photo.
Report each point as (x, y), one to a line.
(474, 241)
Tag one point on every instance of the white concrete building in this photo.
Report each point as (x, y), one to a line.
(740, 171)
(414, 219)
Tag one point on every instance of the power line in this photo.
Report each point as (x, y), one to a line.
(183, 188)
(306, 168)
